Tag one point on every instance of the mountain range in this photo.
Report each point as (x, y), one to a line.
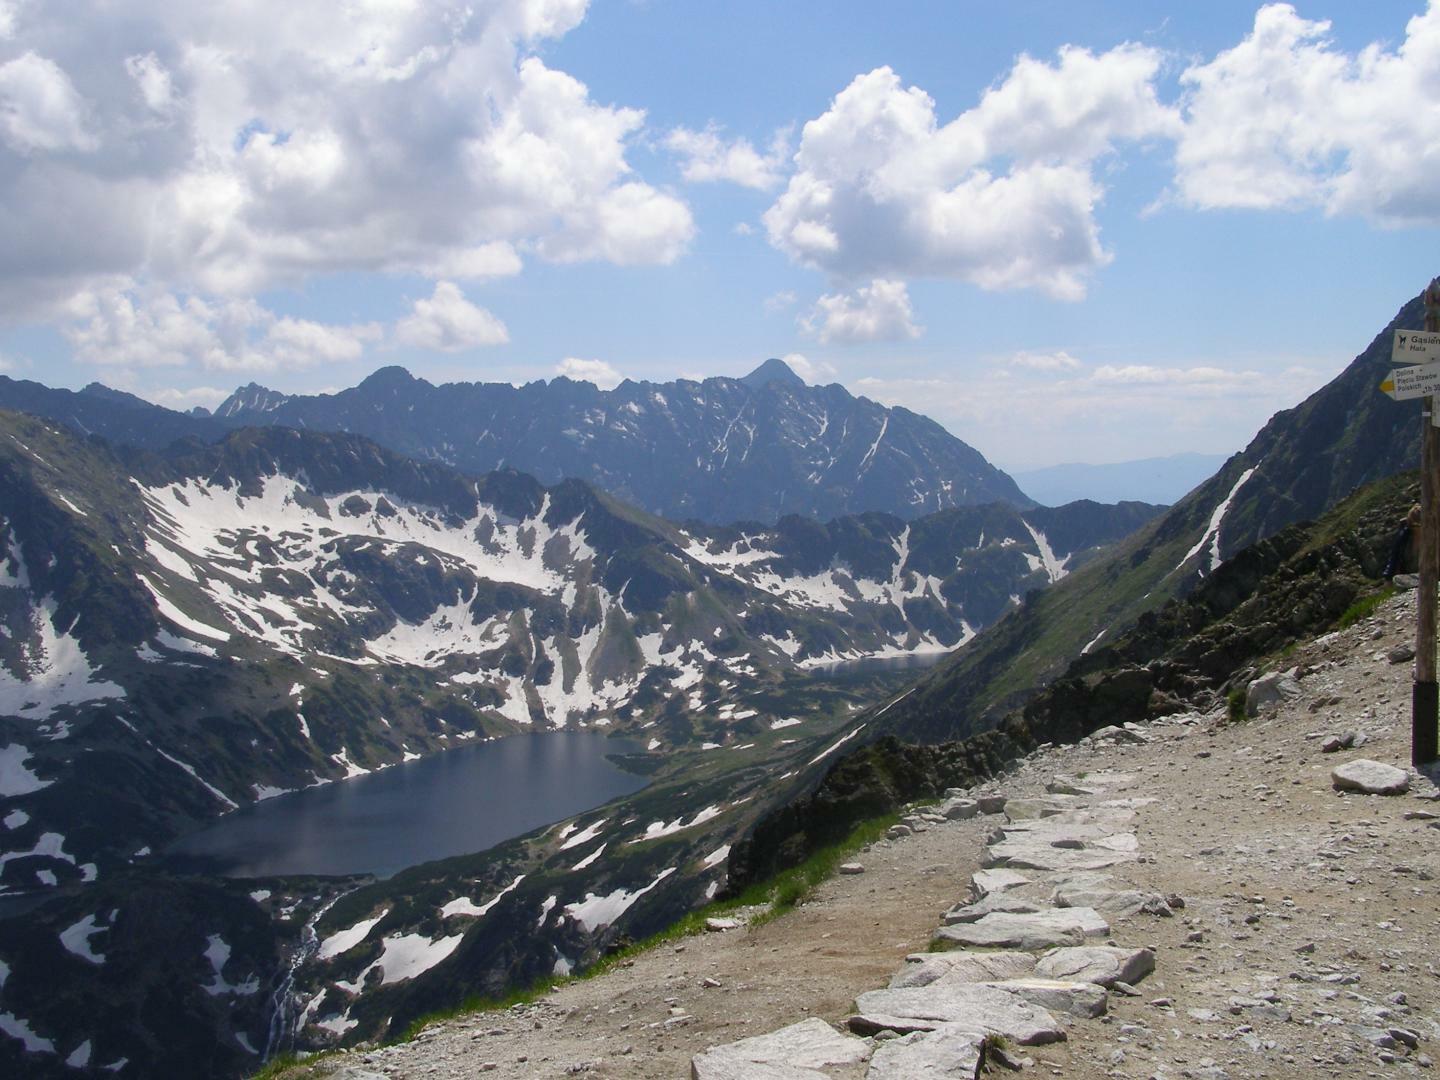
(721, 450)
(222, 622)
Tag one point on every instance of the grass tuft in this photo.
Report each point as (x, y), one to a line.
(1364, 607)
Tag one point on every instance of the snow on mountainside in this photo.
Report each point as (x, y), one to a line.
(283, 609)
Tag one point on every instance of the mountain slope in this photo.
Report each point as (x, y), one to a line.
(190, 631)
(719, 450)
(1302, 462)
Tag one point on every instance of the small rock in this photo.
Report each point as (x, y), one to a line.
(851, 868)
(719, 926)
(991, 804)
(1398, 654)
(959, 809)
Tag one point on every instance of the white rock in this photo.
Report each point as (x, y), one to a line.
(984, 882)
(1042, 930)
(1271, 690)
(1370, 777)
(980, 1008)
(950, 1052)
(796, 1052)
(959, 809)
(1103, 965)
(962, 966)
(1085, 1000)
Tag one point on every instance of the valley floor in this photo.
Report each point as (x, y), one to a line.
(1308, 930)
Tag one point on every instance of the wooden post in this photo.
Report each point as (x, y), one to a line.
(1425, 695)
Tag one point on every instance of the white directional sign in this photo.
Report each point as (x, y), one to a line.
(1412, 382)
(1415, 347)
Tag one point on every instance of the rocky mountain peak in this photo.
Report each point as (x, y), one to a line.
(772, 370)
(251, 398)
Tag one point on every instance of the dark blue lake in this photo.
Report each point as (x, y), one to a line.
(454, 803)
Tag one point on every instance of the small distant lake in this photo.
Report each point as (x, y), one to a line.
(453, 803)
(879, 665)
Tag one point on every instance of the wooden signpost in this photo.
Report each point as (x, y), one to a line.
(1425, 695)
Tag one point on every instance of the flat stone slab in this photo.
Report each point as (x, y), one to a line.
(962, 966)
(1031, 853)
(1039, 807)
(1002, 901)
(950, 1052)
(1055, 928)
(1085, 1000)
(797, 1052)
(1103, 965)
(985, 882)
(1370, 778)
(980, 1008)
(1112, 903)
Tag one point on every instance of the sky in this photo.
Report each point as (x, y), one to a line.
(1089, 231)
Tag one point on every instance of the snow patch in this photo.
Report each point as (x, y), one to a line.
(463, 905)
(344, 940)
(597, 911)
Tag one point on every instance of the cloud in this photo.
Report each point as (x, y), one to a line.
(447, 322)
(149, 327)
(39, 107)
(221, 149)
(879, 311)
(187, 399)
(1002, 196)
(593, 371)
(1285, 120)
(812, 371)
(780, 301)
(707, 157)
(1056, 361)
(1115, 412)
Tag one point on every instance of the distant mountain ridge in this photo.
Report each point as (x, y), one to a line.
(751, 449)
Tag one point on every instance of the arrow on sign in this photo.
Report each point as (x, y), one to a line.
(1415, 347)
(1412, 382)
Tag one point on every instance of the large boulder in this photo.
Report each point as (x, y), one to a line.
(1370, 778)
(1271, 691)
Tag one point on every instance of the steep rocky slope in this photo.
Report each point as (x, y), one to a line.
(1303, 462)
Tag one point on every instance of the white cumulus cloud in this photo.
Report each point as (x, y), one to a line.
(150, 327)
(223, 148)
(1002, 196)
(879, 311)
(1286, 120)
(706, 156)
(447, 322)
(593, 371)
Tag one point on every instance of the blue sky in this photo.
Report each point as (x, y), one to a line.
(1083, 231)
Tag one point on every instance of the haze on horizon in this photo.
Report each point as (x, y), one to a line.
(1068, 234)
